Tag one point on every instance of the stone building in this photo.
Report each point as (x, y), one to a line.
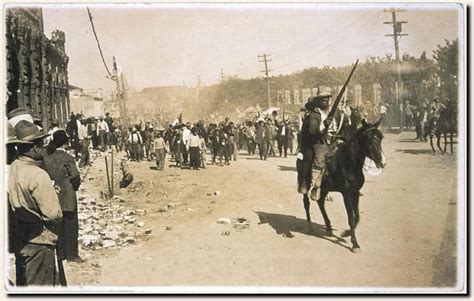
(37, 75)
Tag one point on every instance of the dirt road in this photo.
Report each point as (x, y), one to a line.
(407, 231)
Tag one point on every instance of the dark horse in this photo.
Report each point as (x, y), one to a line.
(445, 124)
(344, 174)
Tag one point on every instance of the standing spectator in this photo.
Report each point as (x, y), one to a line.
(186, 133)
(35, 207)
(72, 129)
(283, 138)
(102, 132)
(147, 141)
(84, 140)
(193, 147)
(136, 141)
(62, 170)
(203, 150)
(215, 146)
(110, 139)
(271, 138)
(92, 131)
(408, 111)
(160, 147)
(262, 140)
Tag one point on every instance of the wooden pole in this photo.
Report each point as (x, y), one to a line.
(108, 179)
(112, 170)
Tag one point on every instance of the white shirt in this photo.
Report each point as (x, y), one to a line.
(324, 116)
(102, 126)
(383, 109)
(186, 135)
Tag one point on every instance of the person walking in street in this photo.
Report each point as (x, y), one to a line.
(84, 141)
(193, 147)
(110, 139)
(136, 141)
(61, 168)
(102, 132)
(271, 138)
(35, 206)
(161, 148)
(262, 140)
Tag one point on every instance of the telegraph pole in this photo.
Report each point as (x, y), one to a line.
(397, 34)
(198, 87)
(222, 75)
(266, 59)
(117, 83)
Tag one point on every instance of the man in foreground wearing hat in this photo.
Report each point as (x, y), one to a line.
(34, 202)
(62, 169)
(312, 156)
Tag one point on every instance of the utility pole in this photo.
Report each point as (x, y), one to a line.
(198, 87)
(266, 59)
(117, 83)
(222, 75)
(397, 34)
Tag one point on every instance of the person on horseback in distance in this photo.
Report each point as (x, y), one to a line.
(314, 145)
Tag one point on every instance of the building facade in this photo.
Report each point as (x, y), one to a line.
(37, 75)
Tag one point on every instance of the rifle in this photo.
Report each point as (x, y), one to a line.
(341, 93)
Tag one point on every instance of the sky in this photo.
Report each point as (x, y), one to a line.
(172, 44)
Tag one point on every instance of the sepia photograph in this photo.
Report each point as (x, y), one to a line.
(215, 148)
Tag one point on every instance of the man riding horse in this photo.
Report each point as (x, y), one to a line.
(314, 145)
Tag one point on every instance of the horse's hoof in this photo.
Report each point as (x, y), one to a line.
(355, 250)
(346, 233)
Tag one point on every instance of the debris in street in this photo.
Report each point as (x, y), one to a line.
(168, 228)
(240, 223)
(225, 233)
(147, 231)
(217, 193)
(224, 220)
(140, 224)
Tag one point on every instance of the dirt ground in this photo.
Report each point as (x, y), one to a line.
(407, 231)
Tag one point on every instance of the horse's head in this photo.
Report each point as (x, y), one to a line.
(370, 141)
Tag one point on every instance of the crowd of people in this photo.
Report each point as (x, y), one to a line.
(44, 166)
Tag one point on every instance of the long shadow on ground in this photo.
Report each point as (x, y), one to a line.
(286, 224)
(286, 168)
(415, 151)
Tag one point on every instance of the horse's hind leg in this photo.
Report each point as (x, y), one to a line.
(351, 214)
(451, 141)
(321, 201)
(445, 135)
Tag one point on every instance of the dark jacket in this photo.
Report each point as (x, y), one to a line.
(63, 171)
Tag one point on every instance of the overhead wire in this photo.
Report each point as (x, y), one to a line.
(98, 43)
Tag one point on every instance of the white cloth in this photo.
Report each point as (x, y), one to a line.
(82, 132)
(186, 135)
(102, 126)
(324, 116)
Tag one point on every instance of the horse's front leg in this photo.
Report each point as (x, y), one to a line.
(306, 203)
(321, 201)
(351, 215)
(431, 144)
(438, 141)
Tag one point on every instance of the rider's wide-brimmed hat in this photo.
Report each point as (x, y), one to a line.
(322, 95)
(26, 132)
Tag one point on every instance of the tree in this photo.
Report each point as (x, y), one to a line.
(447, 69)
